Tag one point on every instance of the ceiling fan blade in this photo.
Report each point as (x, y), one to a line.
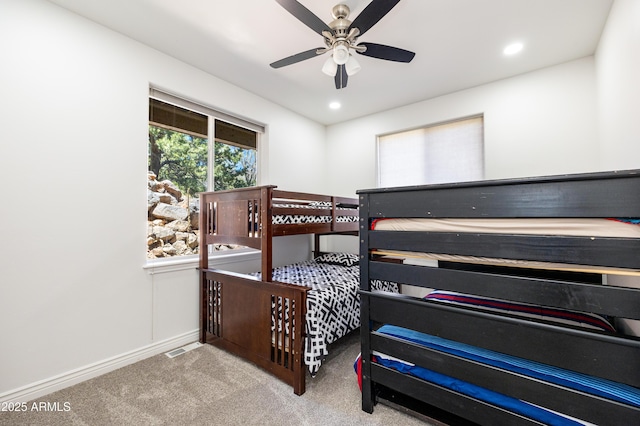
(341, 77)
(388, 53)
(312, 53)
(371, 14)
(304, 15)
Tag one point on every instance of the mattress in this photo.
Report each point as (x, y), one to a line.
(333, 303)
(581, 382)
(619, 228)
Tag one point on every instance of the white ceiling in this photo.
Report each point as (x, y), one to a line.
(458, 45)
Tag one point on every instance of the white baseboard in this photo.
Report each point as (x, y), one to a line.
(70, 378)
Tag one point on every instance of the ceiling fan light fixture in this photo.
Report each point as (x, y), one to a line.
(330, 67)
(340, 54)
(352, 66)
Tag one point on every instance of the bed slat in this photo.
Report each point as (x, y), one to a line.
(475, 410)
(606, 300)
(582, 195)
(606, 252)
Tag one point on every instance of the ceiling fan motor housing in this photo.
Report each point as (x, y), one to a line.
(340, 22)
(343, 38)
(340, 11)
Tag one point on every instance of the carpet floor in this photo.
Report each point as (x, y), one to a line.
(208, 386)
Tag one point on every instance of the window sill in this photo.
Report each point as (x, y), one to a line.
(161, 266)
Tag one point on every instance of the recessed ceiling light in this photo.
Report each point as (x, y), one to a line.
(513, 48)
(334, 105)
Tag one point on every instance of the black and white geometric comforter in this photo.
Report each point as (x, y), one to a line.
(333, 303)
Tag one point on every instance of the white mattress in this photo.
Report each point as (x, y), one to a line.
(557, 226)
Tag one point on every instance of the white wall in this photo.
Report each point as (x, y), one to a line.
(618, 70)
(543, 122)
(74, 298)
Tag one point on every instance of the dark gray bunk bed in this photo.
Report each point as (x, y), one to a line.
(613, 356)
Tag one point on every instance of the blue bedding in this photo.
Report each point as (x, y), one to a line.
(589, 384)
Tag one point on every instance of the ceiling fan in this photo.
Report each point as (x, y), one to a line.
(341, 37)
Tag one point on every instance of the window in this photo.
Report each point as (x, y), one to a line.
(448, 152)
(192, 149)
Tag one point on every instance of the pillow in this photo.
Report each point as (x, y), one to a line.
(342, 259)
(557, 315)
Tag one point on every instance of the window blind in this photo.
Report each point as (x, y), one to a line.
(205, 110)
(447, 152)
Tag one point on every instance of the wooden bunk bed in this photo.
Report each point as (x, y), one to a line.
(541, 268)
(255, 317)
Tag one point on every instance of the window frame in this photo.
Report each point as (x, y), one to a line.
(225, 257)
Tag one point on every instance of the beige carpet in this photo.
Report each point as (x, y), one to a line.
(207, 386)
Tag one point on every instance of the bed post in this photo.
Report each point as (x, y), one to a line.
(299, 369)
(203, 263)
(316, 245)
(266, 210)
(365, 325)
